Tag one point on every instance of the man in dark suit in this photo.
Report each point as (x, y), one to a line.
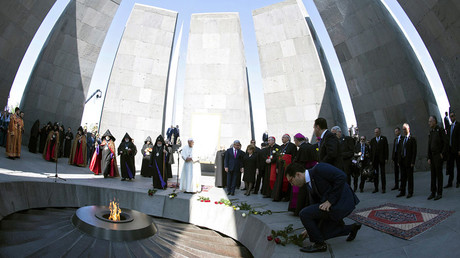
(453, 134)
(395, 155)
(437, 150)
(328, 144)
(379, 156)
(346, 150)
(331, 200)
(362, 153)
(407, 162)
(233, 164)
(446, 121)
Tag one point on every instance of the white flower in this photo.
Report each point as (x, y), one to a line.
(237, 208)
(243, 215)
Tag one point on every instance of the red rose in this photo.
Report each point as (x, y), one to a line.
(220, 202)
(270, 238)
(216, 202)
(277, 240)
(202, 200)
(208, 200)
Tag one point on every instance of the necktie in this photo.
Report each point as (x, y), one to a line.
(362, 150)
(404, 145)
(451, 130)
(378, 139)
(234, 154)
(397, 143)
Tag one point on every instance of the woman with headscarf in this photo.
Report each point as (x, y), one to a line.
(104, 159)
(147, 149)
(34, 134)
(78, 153)
(127, 150)
(51, 149)
(157, 162)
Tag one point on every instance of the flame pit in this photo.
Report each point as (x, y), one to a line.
(132, 225)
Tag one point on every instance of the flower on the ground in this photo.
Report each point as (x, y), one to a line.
(270, 238)
(243, 215)
(216, 202)
(277, 240)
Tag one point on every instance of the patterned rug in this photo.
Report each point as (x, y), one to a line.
(400, 221)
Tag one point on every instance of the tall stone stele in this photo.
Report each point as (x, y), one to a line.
(296, 88)
(216, 101)
(59, 84)
(135, 98)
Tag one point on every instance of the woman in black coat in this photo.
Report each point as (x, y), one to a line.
(250, 168)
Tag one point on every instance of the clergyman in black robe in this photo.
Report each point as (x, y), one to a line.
(157, 162)
(146, 169)
(34, 135)
(61, 140)
(288, 150)
(68, 142)
(127, 150)
(43, 135)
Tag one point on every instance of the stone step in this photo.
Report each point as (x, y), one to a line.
(16, 234)
(59, 246)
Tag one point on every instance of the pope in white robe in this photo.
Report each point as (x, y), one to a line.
(191, 171)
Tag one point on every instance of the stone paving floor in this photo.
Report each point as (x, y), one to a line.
(440, 241)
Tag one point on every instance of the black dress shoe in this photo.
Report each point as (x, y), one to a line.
(354, 230)
(430, 197)
(400, 194)
(375, 190)
(316, 247)
(395, 188)
(383, 191)
(439, 196)
(448, 186)
(409, 196)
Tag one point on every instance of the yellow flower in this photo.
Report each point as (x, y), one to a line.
(317, 149)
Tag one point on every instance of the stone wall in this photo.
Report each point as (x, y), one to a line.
(387, 84)
(438, 23)
(295, 87)
(59, 84)
(216, 102)
(135, 98)
(19, 20)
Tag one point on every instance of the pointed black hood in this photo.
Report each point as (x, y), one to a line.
(127, 136)
(148, 139)
(107, 133)
(161, 139)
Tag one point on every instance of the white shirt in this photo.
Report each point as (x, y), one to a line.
(322, 135)
(307, 177)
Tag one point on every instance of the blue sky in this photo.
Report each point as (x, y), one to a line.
(244, 7)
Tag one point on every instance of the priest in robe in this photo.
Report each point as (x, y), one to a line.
(51, 150)
(68, 142)
(147, 148)
(34, 135)
(14, 135)
(281, 190)
(158, 163)
(191, 170)
(169, 159)
(127, 150)
(104, 160)
(44, 131)
(78, 152)
(270, 155)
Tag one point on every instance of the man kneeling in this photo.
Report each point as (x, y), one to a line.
(331, 200)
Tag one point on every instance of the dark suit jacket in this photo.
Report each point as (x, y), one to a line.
(347, 146)
(395, 153)
(437, 143)
(446, 122)
(329, 150)
(411, 151)
(232, 163)
(366, 150)
(329, 184)
(379, 150)
(455, 138)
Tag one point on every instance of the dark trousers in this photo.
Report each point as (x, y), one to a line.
(259, 178)
(231, 181)
(320, 226)
(453, 157)
(396, 170)
(436, 174)
(238, 179)
(379, 167)
(407, 175)
(347, 169)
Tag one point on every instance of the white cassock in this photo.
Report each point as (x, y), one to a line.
(191, 172)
